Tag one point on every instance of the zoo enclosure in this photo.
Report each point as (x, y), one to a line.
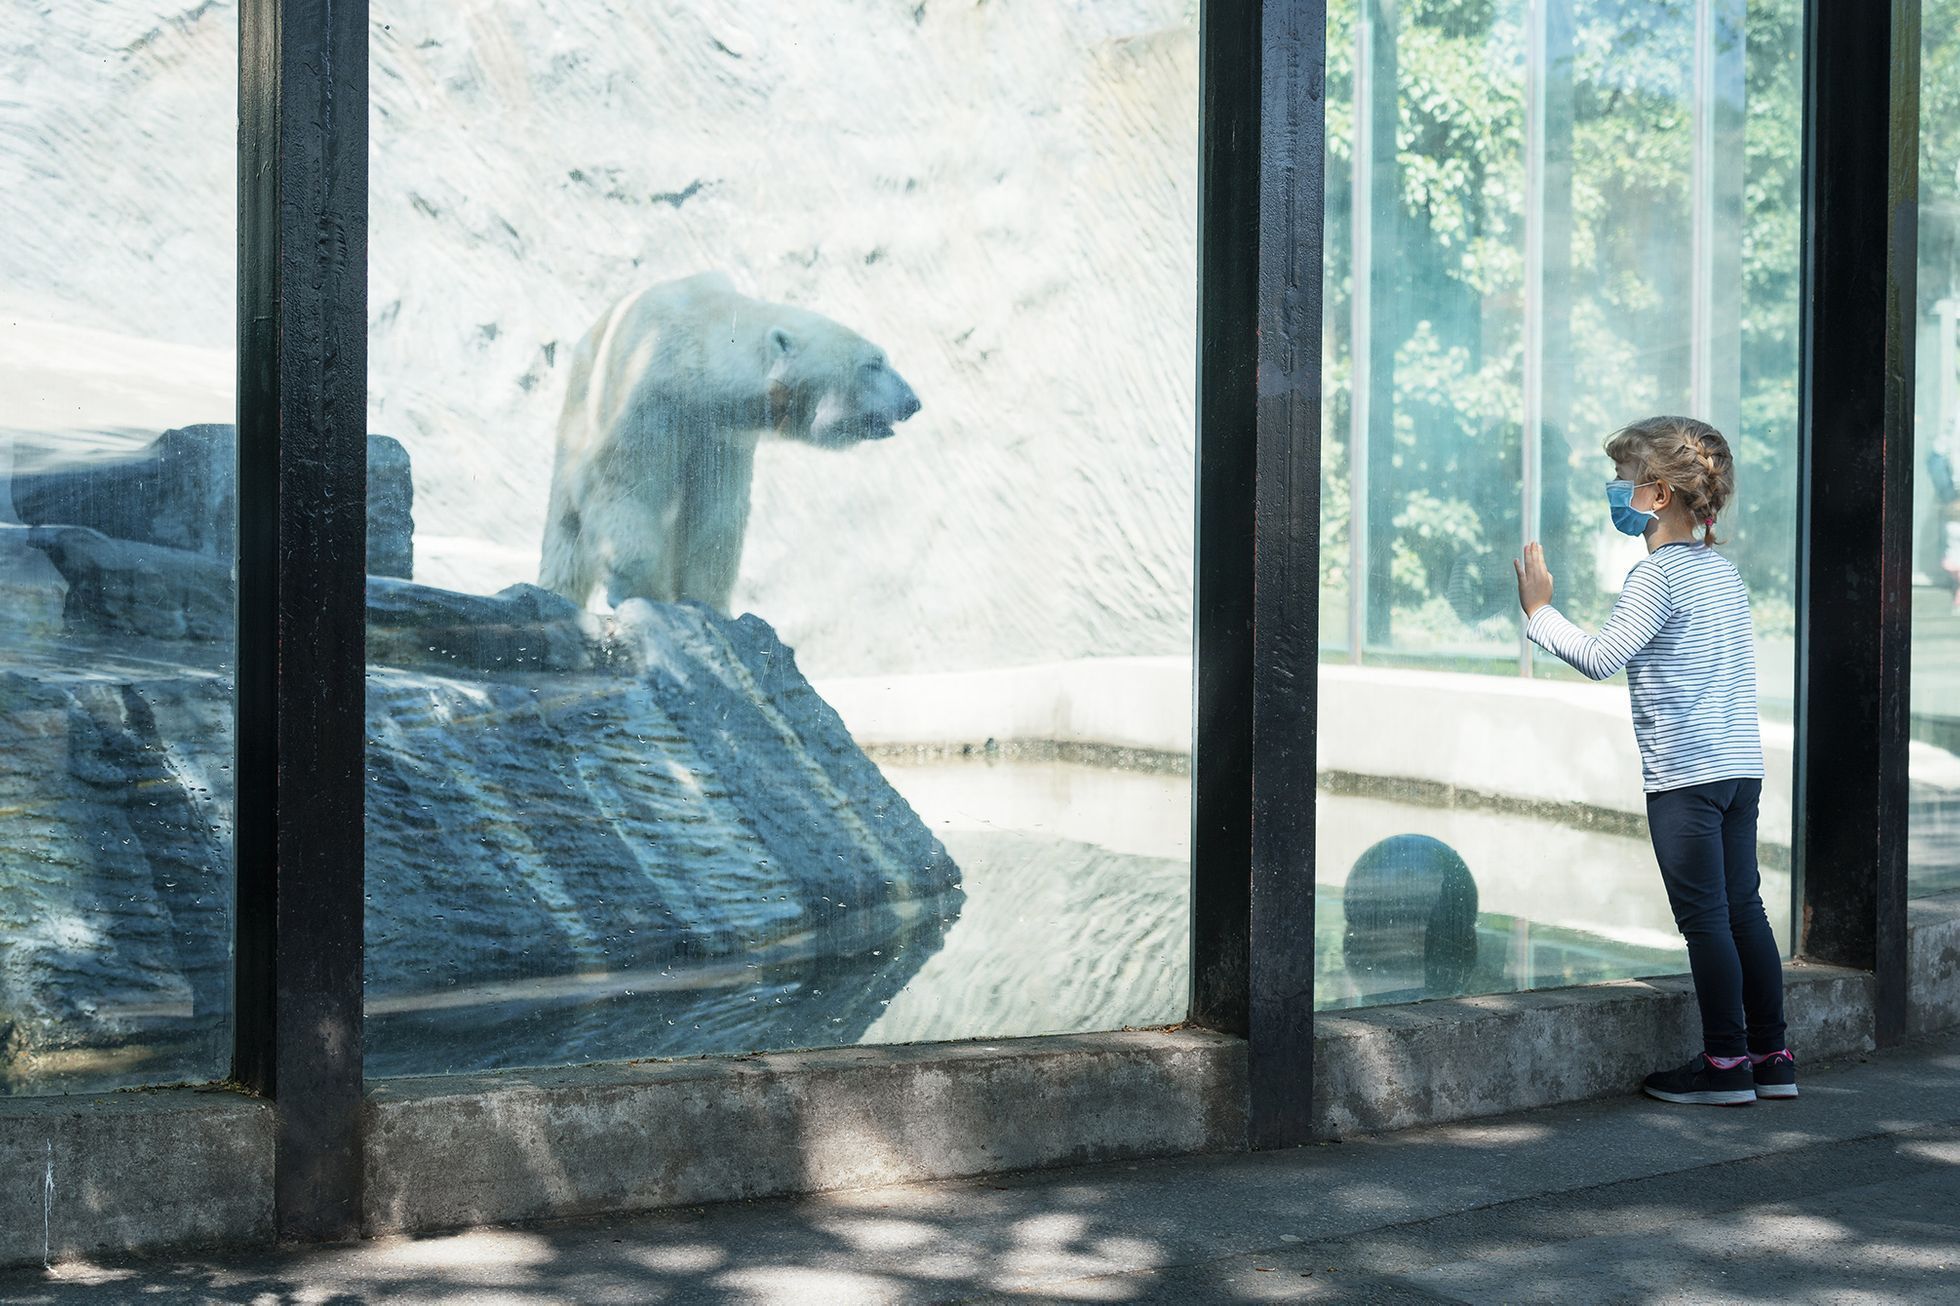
(303, 482)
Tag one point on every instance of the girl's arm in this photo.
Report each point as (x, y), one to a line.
(1642, 610)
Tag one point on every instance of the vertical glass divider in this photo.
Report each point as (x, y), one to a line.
(1547, 258)
(1701, 206)
(1361, 353)
(1716, 209)
(1532, 417)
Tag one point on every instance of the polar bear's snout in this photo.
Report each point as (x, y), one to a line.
(887, 401)
(868, 410)
(908, 402)
(902, 407)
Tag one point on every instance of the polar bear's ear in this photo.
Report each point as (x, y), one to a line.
(781, 344)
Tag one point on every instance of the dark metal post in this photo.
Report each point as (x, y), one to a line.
(1260, 219)
(1854, 629)
(302, 484)
(1228, 353)
(1286, 567)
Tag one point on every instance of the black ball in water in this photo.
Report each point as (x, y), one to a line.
(1411, 897)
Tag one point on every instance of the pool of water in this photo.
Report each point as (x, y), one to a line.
(1077, 909)
(1074, 915)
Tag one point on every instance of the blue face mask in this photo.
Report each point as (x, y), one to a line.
(1629, 519)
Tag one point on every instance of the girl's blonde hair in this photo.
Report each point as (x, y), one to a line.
(1689, 457)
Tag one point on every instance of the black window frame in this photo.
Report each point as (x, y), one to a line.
(302, 403)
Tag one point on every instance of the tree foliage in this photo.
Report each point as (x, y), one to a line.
(1450, 511)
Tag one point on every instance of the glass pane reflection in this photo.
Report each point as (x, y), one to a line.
(1545, 218)
(860, 331)
(1934, 848)
(117, 186)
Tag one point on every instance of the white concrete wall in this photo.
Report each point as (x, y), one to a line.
(1543, 740)
(1124, 702)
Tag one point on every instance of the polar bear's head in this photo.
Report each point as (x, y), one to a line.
(830, 387)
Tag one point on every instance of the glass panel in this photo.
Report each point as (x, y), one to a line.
(1935, 762)
(1546, 218)
(875, 324)
(117, 278)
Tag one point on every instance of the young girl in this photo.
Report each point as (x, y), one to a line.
(1681, 629)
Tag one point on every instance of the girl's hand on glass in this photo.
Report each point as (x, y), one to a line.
(1534, 580)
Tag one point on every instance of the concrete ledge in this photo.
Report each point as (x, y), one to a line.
(133, 1171)
(1933, 963)
(444, 1153)
(518, 1145)
(1394, 1067)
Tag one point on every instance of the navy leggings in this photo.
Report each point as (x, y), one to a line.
(1705, 838)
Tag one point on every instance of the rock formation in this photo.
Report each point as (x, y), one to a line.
(587, 837)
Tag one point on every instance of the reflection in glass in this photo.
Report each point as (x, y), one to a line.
(116, 543)
(798, 403)
(1545, 218)
(1410, 912)
(1934, 844)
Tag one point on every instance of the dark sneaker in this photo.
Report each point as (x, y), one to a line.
(1776, 1075)
(1702, 1083)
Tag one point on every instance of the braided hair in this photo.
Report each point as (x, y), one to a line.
(1690, 457)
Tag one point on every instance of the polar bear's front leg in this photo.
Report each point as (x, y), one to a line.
(567, 565)
(714, 519)
(636, 548)
(640, 575)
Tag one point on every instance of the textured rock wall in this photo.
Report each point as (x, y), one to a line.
(1001, 192)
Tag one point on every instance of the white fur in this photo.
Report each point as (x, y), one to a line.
(668, 395)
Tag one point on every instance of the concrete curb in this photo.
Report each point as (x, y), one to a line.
(443, 1153)
(1388, 1068)
(133, 1170)
(1933, 964)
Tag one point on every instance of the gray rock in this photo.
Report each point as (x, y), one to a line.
(148, 590)
(522, 628)
(96, 584)
(662, 843)
(178, 492)
(390, 509)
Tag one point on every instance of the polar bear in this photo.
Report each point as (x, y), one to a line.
(668, 395)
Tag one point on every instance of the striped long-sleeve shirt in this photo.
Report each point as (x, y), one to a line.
(1681, 629)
